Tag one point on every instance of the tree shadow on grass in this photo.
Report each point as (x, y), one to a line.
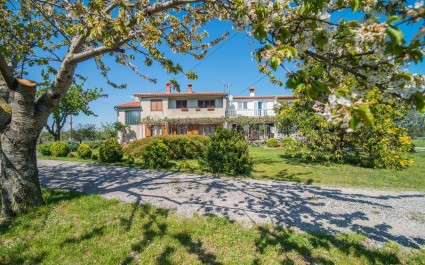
(95, 232)
(287, 241)
(154, 227)
(292, 177)
(57, 195)
(195, 247)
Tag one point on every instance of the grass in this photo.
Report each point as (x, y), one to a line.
(73, 228)
(271, 164)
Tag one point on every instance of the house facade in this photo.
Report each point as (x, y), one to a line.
(198, 113)
(254, 115)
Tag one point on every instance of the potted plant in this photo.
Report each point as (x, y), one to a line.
(210, 107)
(184, 109)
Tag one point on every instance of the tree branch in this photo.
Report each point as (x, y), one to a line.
(338, 65)
(7, 74)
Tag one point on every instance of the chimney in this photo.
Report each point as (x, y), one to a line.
(189, 88)
(251, 91)
(168, 87)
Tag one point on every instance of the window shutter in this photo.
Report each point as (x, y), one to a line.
(147, 130)
(156, 104)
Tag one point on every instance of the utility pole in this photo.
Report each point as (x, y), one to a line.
(227, 87)
(70, 127)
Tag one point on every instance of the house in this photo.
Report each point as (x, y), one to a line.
(254, 115)
(198, 113)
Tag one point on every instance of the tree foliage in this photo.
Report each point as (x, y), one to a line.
(384, 145)
(415, 124)
(85, 132)
(111, 130)
(75, 101)
(370, 48)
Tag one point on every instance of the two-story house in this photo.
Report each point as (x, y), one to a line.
(254, 115)
(197, 113)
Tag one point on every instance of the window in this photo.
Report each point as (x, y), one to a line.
(206, 130)
(206, 103)
(156, 104)
(180, 104)
(156, 130)
(242, 105)
(132, 117)
(181, 130)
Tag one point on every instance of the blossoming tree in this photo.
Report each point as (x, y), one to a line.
(59, 35)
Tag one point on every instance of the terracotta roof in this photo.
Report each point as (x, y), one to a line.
(266, 97)
(181, 94)
(134, 104)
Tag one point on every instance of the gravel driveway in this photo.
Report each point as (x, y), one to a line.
(381, 215)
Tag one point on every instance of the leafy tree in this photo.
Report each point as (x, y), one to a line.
(384, 145)
(111, 130)
(415, 124)
(372, 49)
(76, 100)
(58, 35)
(85, 132)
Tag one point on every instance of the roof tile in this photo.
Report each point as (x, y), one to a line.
(134, 104)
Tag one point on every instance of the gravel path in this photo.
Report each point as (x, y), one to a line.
(381, 215)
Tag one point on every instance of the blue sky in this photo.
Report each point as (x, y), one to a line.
(228, 62)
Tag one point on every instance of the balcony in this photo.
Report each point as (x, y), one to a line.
(251, 112)
(194, 112)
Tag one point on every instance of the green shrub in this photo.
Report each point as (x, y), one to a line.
(94, 157)
(273, 142)
(73, 146)
(110, 151)
(291, 146)
(84, 151)
(180, 146)
(227, 152)
(44, 149)
(59, 149)
(130, 160)
(155, 155)
(70, 155)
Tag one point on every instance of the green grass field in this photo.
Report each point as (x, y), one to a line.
(270, 164)
(87, 229)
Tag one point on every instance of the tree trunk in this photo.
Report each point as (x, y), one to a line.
(19, 174)
(57, 136)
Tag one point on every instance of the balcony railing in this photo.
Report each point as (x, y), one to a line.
(251, 112)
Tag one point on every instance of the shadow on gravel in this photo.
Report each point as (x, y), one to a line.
(274, 202)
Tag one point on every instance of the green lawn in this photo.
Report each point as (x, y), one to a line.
(270, 164)
(87, 229)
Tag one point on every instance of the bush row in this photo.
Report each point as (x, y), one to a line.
(109, 150)
(179, 146)
(225, 152)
